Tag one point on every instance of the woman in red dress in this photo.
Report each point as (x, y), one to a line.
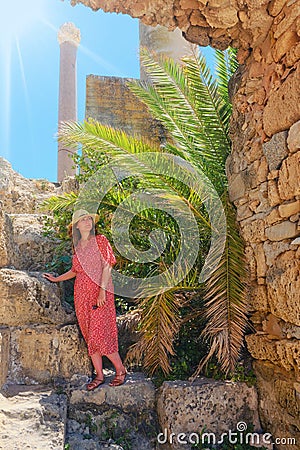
(92, 261)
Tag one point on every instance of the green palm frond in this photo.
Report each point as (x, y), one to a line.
(93, 135)
(60, 202)
(169, 100)
(115, 143)
(204, 91)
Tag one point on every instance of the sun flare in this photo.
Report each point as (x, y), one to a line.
(17, 17)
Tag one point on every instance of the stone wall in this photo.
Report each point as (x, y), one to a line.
(263, 172)
(110, 101)
(39, 337)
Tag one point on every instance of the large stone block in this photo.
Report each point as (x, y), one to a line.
(281, 231)
(128, 411)
(4, 354)
(31, 299)
(32, 250)
(206, 404)
(289, 176)
(283, 286)
(284, 353)
(289, 209)
(44, 353)
(279, 404)
(282, 109)
(21, 194)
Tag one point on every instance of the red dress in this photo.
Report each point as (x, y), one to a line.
(98, 326)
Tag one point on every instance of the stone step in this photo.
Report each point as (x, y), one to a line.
(123, 415)
(32, 418)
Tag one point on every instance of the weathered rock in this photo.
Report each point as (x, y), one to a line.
(281, 231)
(289, 209)
(276, 150)
(279, 403)
(282, 109)
(237, 187)
(293, 139)
(29, 248)
(128, 411)
(273, 193)
(33, 419)
(4, 354)
(253, 229)
(6, 247)
(284, 353)
(21, 195)
(29, 299)
(274, 249)
(185, 407)
(289, 176)
(283, 285)
(43, 353)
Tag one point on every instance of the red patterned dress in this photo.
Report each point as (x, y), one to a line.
(98, 326)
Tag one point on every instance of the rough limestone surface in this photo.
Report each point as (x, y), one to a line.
(43, 354)
(279, 399)
(29, 299)
(28, 248)
(32, 419)
(215, 406)
(216, 23)
(22, 195)
(126, 414)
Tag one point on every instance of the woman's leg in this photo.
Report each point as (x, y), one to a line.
(120, 369)
(117, 362)
(99, 379)
(97, 363)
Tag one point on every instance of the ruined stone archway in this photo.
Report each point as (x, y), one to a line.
(263, 172)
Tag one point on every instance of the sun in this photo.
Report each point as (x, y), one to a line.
(18, 16)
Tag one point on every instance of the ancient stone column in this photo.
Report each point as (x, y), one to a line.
(163, 41)
(69, 38)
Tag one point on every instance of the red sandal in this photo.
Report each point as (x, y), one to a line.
(95, 383)
(119, 379)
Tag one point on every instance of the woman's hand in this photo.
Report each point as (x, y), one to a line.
(50, 277)
(101, 297)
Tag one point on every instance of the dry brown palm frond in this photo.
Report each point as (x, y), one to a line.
(226, 306)
(160, 323)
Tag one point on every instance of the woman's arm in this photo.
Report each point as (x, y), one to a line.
(65, 276)
(103, 284)
(105, 276)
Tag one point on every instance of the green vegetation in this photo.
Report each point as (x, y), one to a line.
(176, 331)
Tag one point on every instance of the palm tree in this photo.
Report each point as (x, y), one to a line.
(194, 109)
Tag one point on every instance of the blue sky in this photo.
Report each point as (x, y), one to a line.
(29, 73)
